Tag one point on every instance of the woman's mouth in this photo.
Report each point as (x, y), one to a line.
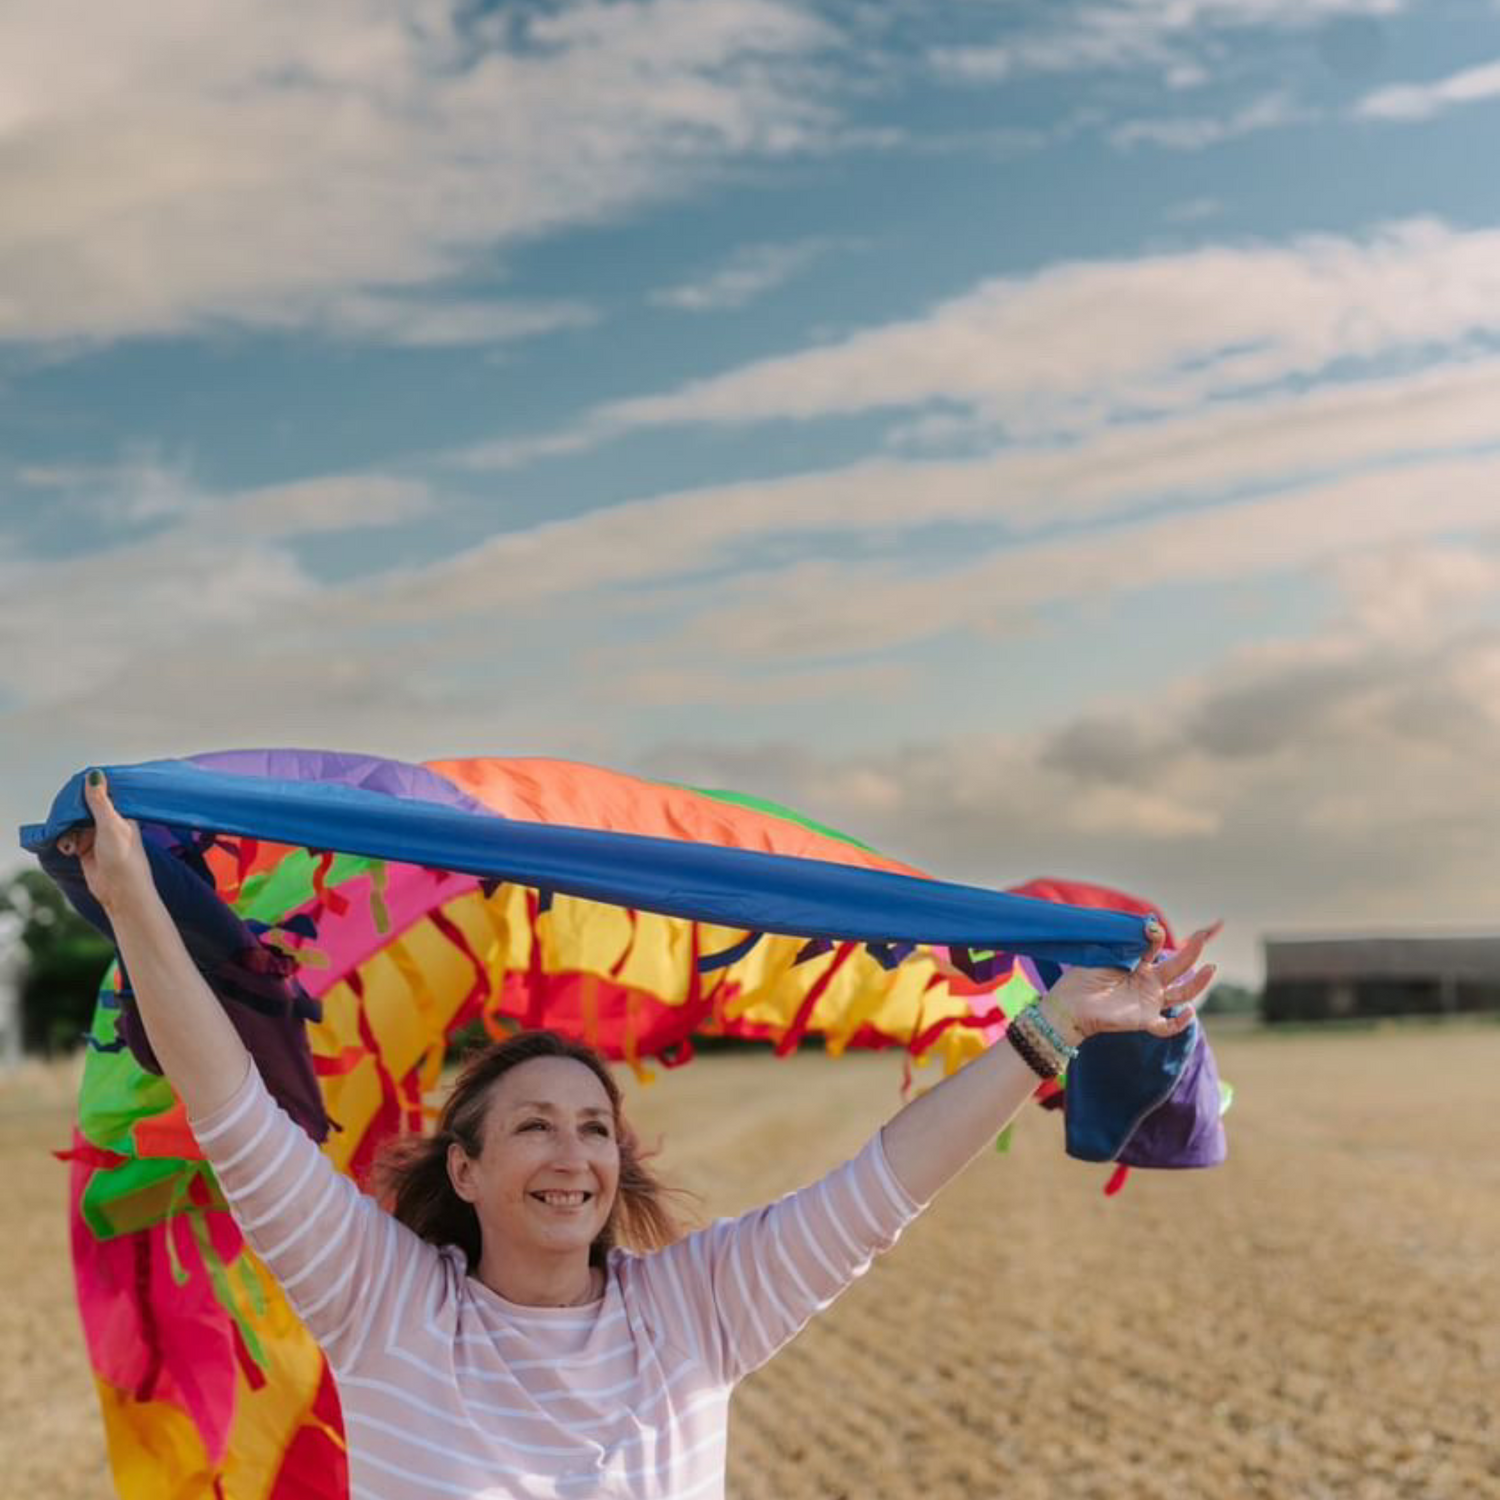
(557, 1199)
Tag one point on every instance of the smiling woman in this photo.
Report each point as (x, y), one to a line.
(533, 1120)
(519, 1313)
(538, 1356)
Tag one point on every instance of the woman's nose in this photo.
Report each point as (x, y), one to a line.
(569, 1150)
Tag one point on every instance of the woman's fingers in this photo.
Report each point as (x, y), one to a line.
(79, 841)
(1185, 991)
(1172, 1025)
(96, 794)
(1173, 968)
(109, 837)
(1178, 1000)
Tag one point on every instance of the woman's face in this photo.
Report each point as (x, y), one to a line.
(549, 1163)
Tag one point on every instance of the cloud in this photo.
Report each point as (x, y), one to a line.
(142, 486)
(427, 323)
(755, 592)
(262, 165)
(1401, 433)
(1195, 132)
(821, 608)
(331, 503)
(749, 273)
(625, 680)
(519, 452)
(1325, 783)
(1130, 34)
(752, 594)
(1406, 594)
(1081, 344)
(1316, 780)
(212, 579)
(1421, 101)
(1195, 210)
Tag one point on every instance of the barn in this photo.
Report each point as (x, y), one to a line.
(1333, 978)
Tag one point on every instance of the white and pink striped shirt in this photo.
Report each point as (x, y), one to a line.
(450, 1390)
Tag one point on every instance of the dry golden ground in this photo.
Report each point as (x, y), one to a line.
(1318, 1318)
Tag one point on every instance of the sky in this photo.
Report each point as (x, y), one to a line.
(1040, 439)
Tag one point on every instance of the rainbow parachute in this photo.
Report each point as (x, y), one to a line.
(355, 915)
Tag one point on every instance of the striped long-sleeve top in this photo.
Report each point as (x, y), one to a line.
(448, 1389)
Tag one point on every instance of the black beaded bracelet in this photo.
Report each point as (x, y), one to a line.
(1016, 1036)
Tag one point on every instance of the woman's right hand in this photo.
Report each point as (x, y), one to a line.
(111, 853)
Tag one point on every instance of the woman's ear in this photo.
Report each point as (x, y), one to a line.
(461, 1172)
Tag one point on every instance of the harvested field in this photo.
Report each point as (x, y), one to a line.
(1318, 1318)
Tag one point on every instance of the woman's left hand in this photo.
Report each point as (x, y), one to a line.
(1088, 1001)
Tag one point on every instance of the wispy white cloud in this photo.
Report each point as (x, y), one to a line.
(1323, 781)
(325, 163)
(144, 486)
(1408, 595)
(1195, 132)
(749, 273)
(1317, 752)
(425, 322)
(1398, 463)
(141, 486)
(693, 577)
(821, 607)
(1233, 448)
(1081, 344)
(1195, 210)
(212, 572)
(1421, 101)
(1130, 34)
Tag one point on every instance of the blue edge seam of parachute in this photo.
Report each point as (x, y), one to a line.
(744, 888)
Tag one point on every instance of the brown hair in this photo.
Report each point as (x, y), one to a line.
(411, 1173)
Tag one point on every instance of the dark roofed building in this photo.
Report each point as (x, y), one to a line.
(1328, 978)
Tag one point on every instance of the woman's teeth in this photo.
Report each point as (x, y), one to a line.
(563, 1200)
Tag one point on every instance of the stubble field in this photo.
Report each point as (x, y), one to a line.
(1320, 1317)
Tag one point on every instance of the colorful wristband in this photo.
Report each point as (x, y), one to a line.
(1034, 1052)
(1048, 1030)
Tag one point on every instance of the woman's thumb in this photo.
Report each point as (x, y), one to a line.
(96, 792)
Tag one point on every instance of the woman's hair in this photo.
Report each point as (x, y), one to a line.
(411, 1173)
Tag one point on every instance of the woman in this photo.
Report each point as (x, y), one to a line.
(488, 1337)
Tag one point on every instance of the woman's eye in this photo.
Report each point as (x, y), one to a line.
(599, 1129)
(534, 1125)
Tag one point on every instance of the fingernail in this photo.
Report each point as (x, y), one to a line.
(95, 777)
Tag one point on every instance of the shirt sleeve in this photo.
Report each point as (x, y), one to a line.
(739, 1290)
(326, 1242)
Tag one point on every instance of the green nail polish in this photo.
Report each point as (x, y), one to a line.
(95, 777)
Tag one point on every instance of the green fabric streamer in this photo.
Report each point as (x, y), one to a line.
(250, 1282)
(1014, 995)
(289, 886)
(116, 1091)
(219, 1277)
(775, 809)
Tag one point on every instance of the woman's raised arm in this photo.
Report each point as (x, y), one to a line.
(200, 1052)
(940, 1132)
(329, 1245)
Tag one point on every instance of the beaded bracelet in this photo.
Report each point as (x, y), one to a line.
(1048, 1030)
(1045, 1060)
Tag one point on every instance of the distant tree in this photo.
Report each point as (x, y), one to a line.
(1230, 1000)
(63, 961)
